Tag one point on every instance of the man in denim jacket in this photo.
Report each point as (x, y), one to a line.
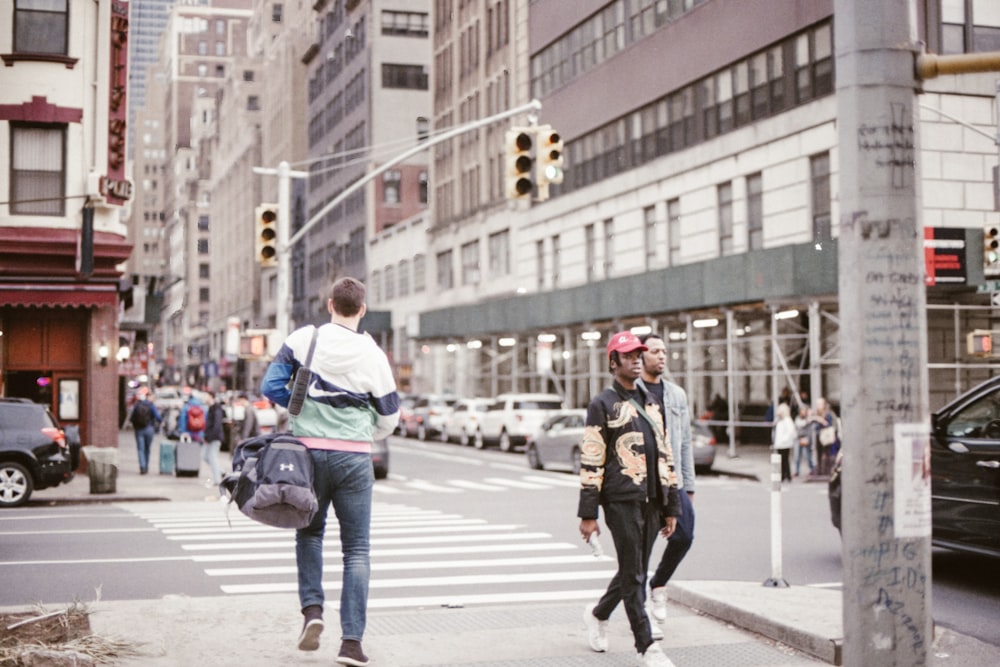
(677, 416)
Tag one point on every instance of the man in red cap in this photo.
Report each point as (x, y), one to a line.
(627, 468)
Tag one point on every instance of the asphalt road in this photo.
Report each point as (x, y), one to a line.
(452, 526)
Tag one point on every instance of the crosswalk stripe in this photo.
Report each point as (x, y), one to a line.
(515, 483)
(417, 539)
(570, 482)
(423, 485)
(474, 486)
(289, 554)
(281, 534)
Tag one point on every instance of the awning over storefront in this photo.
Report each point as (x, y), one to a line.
(66, 296)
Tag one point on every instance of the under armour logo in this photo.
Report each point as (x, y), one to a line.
(286, 466)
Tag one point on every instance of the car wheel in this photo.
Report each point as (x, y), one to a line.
(575, 459)
(533, 459)
(15, 484)
(477, 441)
(421, 432)
(505, 445)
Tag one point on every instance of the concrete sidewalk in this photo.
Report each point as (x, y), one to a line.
(709, 622)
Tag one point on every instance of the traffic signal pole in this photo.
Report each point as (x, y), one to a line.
(886, 514)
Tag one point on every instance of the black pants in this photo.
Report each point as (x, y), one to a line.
(786, 464)
(634, 526)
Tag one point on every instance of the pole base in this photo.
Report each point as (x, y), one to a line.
(771, 582)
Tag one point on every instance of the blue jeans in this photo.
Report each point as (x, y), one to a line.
(143, 442)
(210, 455)
(344, 479)
(678, 544)
(799, 450)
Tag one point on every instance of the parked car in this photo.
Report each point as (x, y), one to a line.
(702, 446)
(380, 458)
(461, 424)
(405, 413)
(556, 444)
(429, 414)
(513, 417)
(965, 473)
(33, 451)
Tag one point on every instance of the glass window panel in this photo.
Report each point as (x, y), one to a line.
(952, 39)
(953, 11)
(823, 42)
(986, 13)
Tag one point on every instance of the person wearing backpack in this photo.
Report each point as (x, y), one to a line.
(351, 401)
(145, 419)
(214, 433)
(193, 417)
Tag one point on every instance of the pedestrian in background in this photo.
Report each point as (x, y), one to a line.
(214, 433)
(145, 419)
(785, 436)
(626, 468)
(249, 427)
(677, 423)
(802, 443)
(192, 419)
(351, 402)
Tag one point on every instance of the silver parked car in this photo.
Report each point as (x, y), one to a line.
(557, 443)
(460, 426)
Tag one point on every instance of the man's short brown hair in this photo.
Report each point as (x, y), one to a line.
(348, 295)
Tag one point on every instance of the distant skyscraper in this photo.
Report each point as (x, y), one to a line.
(147, 21)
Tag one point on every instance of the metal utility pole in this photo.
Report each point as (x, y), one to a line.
(886, 524)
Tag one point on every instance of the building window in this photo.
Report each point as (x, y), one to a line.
(555, 261)
(445, 270)
(220, 71)
(202, 48)
(609, 247)
(649, 220)
(276, 12)
(724, 201)
(37, 179)
(204, 271)
(203, 295)
(590, 251)
(202, 246)
(390, 282)
(404, 278)
(755, 212)
(499, 247)
(248, 75)
(470, 263)
(674, 232)
(202, 223)
(814, 63)
(819, 173)
(220, 48)
(967, 27)
(413, 77)
(220, 26)
(422, 187)
(419, 273)
(391, 186)
(540, 263)
(376, 286)
(41, 26)
(405, 24)
(253, 103)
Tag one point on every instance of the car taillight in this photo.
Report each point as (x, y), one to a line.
(56, 434)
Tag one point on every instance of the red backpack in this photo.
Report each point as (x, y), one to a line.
(196, 418)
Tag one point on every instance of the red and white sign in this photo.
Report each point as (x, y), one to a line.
(114, 186)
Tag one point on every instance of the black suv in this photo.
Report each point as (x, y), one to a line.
(33, 451)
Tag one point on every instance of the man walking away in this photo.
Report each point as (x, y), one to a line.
(626, 468)
(145, 419)
(214, 433)
(677, 418)
(351, 402)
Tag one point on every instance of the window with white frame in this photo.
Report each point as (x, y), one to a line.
(419, 273)
(674, 231)
(819, 172)
(38, 169)
(499, 248)
(41, 26)
(390, 282)
(540, 263)
(445, 270)
(404, 277)
(391, 180)
(590, 251)
(470, 263)
(555, 261)
(649, 222)
(755, 211)
(724, 197)
(609, 247)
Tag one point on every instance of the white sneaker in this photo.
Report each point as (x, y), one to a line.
(655, 631)
(597, 630)
(654, 657)
(659, 599)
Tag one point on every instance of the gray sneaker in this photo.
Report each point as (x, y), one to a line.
(597, 630)
(654, 657)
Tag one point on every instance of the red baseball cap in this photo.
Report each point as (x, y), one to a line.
(625, 341)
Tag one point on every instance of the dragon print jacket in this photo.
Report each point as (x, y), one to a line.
(613, 460)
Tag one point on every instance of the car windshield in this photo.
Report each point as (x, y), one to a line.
(25, 416)
(970, 421)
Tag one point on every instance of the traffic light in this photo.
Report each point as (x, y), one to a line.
(266, 230)
(520, 155)
(550, 156)
(991, 250)
(979, 343)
